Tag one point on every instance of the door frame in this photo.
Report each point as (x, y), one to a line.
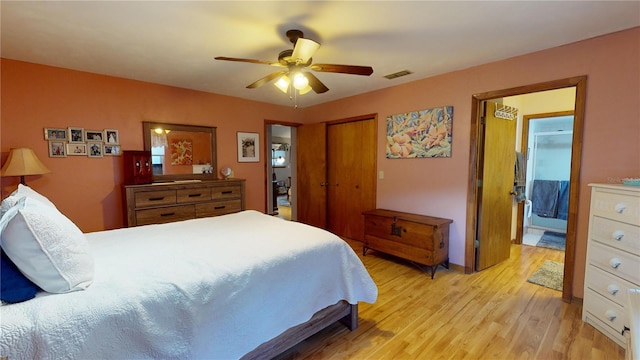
(525, 143)
(268, 186)
(476, 158)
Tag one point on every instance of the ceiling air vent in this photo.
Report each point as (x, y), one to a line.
(398, 74)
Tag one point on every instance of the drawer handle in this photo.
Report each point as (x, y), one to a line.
(618, 235)
(615, 263)
(219, 207)
(611, 315)
(156, 198)
(194, 195)
(612, 289)
(168, 214)
(227, 192)
(620, 208)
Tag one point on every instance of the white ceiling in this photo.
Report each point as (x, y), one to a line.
(174, 42)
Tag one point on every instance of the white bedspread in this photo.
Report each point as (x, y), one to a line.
(212, 288)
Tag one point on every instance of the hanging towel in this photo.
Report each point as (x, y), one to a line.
(544, 197)
(520, 177)
(563, 200)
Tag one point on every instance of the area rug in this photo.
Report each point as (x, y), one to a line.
(553, 240)
(550, 275)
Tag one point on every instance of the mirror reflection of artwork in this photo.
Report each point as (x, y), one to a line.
(181, 152)
(420, 134)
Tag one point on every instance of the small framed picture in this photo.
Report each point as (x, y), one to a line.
(111, 137)
(57, 148)
(248, 147)
(76, 149)
(55, 134)
(94, 135)
(94, 149)
(76, 135)
(111, 150)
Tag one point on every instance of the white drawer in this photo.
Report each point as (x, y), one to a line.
(607, 285)
(617, 234)
(616, 205)
(606, 312)
(615, 262)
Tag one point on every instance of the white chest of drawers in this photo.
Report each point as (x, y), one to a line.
(613, 258)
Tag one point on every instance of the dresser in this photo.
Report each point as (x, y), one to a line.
(181, 200)
(613, 258)
(419, 238)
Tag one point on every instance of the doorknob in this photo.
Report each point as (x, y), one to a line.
(324, 184)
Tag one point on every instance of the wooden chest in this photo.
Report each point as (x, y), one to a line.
(419, 238)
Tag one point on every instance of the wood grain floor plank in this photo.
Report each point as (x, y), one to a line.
(492, 314)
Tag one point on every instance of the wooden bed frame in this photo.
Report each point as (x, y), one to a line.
(342, 311)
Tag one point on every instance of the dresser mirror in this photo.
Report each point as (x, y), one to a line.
(181, 152)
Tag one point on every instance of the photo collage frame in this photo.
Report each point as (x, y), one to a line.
(76, 141)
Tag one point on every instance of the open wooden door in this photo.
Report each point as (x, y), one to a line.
(495, 199)
(312, 174)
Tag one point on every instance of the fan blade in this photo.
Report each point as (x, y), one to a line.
(304, 50)
(250, 61)
(344, 69)
(315, 83)
(266, 79)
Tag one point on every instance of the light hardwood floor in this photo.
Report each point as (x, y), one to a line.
(493, 314)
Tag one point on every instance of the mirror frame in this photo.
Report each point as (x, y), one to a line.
(146, 128)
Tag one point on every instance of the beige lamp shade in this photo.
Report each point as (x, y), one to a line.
(21, 162)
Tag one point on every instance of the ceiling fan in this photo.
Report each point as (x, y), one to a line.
(295, 61)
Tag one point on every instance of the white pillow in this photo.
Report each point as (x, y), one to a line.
(20, 192)
(46, 246)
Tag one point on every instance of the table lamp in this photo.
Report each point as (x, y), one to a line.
(21, 162)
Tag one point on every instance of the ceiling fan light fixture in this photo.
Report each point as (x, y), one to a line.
(305, 90)
(283, 83)
(300, 81)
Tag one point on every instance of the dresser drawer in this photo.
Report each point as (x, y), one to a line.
(155, 198)
(616, 205)
(610, 316)
(194, 195)
(400, 231)
(617, 234)
(217, 208)
(615, 262)
(226, 192)
(165, 214)
(608, 285)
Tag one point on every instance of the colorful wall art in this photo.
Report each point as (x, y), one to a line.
(420, 134)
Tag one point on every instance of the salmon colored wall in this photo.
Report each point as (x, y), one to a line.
(88, 190)
(438, 186)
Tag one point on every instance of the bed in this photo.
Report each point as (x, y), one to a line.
(244, 285)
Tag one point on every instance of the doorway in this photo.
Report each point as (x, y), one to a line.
(280, 167)
(546, 143)
(478, 161)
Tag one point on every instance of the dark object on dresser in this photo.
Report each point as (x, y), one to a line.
(137, 167)
(419, 238)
